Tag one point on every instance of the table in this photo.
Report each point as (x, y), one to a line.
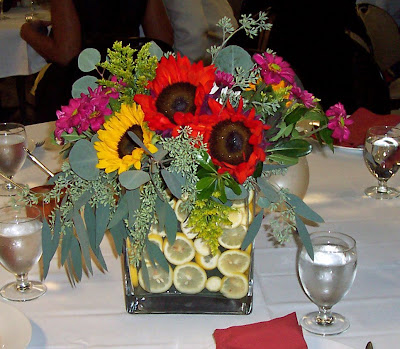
(92, 315)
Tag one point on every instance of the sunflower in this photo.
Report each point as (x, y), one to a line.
(234, 139)
(179, 86)
(116, 150)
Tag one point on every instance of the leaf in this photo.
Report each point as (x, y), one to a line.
(88, 59)
(90, 222)
(205, 162)
(160, 154)
(83, 160)
(205, 182)
(133, 199)
(301, 208)
(304, 236)
(295, 115)
(66, 244)
(145, 275)
(237, 188)
(283, 159)
(293, 147)
(171, 223)
(133, 179)
(102, 218)
(81, 85)
(155, 50)
(221, 190)
(121, 212)
(252, 231)
(161, 212)
(263, 202)
(231, 57)
(83, 238)
(156, 254)
(231, 195)
(119, 234)
(137, 140)
(76, 258)
(207, 191)
(49, 246)
(174, 182)
(267, 189)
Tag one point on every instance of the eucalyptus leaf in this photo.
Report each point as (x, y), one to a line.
(138, 141)
(82, 234)
(102, 218)
(263, 202)
(83, 199)
(171, 224)
(304, 236)
(133, 179)
(155, 50)
(81, 85)
(156, 254)
(161, 211)
(66, 244)
(90, 223)
(231, 195)
(302, 209)
(252, 231)
(174, 182)
(49, 246)
(76, 258)
(83, 160)
(88, 59)
(267, 189)
(119, 234)
(121, 213)
(231, 57)
(133, 199)
(160, 154)
(145, 275)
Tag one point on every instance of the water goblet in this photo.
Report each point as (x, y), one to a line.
(2, 17)
(20, 250)
(12, 153)
(327, 279)
(382, 158)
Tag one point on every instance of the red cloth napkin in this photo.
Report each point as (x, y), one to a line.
(279, 333)
(363, 120)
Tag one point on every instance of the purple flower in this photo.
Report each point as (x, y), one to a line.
(274, 68)
(306, 97)
(223, 79)
(338, 122)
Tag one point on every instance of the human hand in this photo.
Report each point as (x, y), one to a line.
(38, 26)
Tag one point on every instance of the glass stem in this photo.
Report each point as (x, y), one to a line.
(1, 9)
(23, 284)
(324, 316)
(382, 186)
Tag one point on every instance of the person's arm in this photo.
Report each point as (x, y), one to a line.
(65, 43)
(156, 24)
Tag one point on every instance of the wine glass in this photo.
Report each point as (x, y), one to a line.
(327, 279)
(31, 16)
(12, 153)
(2, 17)
(20, 250)
(382, 158)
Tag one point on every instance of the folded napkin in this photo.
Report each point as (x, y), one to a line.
(279, 333)
(363, 120)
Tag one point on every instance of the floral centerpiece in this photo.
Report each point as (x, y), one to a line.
(156, 142)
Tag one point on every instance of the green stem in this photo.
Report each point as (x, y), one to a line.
(308, 134)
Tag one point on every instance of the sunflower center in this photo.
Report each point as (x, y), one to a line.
(229, 142)
(126, 145)
(178, 97)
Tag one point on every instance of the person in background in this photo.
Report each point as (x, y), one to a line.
(194, 24)
(76, 25)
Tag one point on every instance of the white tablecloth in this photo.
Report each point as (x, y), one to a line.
(92, 315)
(16, 56)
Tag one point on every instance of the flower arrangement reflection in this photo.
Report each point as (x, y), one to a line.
(163, 129)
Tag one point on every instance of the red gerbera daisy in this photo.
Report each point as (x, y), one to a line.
(179, 86)
(234, 139)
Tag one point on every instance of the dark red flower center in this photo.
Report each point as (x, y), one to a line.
(178, 97)
(126, 145)
(229, 142)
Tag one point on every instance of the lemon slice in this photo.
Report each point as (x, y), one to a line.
(187, 231)
(248, 213)
(207, 262)
(134, 276)
(232, 238)
(189, 278)
(157, 239)
(235, 216)
(202, 247)
(160, 279)
(155, 229)
(182, 251)
(233, 261)
(235, 286)
(180, 214)
(214, 284)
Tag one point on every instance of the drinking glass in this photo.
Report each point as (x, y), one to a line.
(20, 250)
(2, 17)
(382, 158)
(31, 16)
(12, 153)
(327, 279)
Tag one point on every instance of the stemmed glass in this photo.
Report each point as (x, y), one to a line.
(20, 250)
(12, 153)
(327, 279)
(382, 158)
(31, 16)
(2, 17)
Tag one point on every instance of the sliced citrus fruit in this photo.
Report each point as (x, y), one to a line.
(187, 231)
(214, 283)
(233, 261)
(235, 216)
(207, 262)
(235, 286)
(160, 279)
(232, 238)
(181, 215)
(134, 276)
(155, 229)
(189, 278)
(202, 247)
(182, 251)
(157, 239)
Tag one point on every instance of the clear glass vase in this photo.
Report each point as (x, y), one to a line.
(226, 292)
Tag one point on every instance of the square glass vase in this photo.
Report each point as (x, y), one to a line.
(204, 283)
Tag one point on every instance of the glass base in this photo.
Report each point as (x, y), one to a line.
(11, 292)
(338, 325)
(372, 192)
(8, 190)
(2, 18)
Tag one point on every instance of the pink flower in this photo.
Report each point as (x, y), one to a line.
(306, 97)
(274, 68)
(223, 79)
(338, 122)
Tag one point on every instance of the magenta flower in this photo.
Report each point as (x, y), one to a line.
(274, 68)
(306, 97)
(223, 79)
(338, 122)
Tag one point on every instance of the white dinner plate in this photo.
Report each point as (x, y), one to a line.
(315, 342)
(15, 328)
(349, 149)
